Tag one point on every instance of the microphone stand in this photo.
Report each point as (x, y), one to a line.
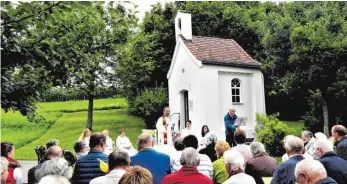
(179, 119)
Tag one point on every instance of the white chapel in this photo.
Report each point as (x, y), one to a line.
(209, 75)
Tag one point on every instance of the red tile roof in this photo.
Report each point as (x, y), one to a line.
(218, 51)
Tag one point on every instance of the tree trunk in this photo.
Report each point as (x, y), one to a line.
(326, 118)
(90, 111)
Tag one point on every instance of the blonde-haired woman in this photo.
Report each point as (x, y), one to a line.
(220, 174)
(85, 136)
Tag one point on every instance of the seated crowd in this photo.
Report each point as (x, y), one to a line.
(308, 159)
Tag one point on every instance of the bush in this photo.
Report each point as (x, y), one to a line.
(271, 132)
(149, 105)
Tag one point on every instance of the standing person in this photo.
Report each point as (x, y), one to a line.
(118, 163)
(14, 171)
(338, 132)
(204, 132)
(109, 143)
(189, 173)
(229, 122)
(85, 136)
(188, 130)
(157, 163)
(88, 167)
(123, 143)
(164, 125)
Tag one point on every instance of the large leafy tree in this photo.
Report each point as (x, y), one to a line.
(59, 43)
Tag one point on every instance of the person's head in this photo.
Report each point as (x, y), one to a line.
(189, 124)
(211, 138)
(294, 145)
(4, 169)
(54, 179)
(204, 130)
(338, 132)
(58, 166)
(233, 161)
(257, 147)
(122, 132)
(97, 141)
(309, 171)
(232, 111)
(306, 136)
(144, 140)
(53, 142)
(178, 144)
(166, 111)
(138, 175)
(105, 132)
(320, 135)
(7, 149)
(191, 141)
(118, 159)
(86, 133)
(190, 157)
(221, 147)
(80, 147)
(54, 152)
(322, 146)
(240, 136)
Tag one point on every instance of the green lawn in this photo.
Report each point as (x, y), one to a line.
(66, 127)
(296, 127)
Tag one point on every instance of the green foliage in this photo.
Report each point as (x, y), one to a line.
(66, 127)
(149, 105)
(271, 132)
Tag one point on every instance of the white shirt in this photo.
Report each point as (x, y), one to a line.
(161, 128)
(123, 142)
(245, 151)
(18, 175)
(205, 167)
(112, 178)
(187, 131)
(175, 161)
(240, 178)
(109, 146)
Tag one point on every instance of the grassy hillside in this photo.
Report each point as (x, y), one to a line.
(66, 127)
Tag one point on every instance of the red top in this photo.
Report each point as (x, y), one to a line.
(12, 165)
(188, 175)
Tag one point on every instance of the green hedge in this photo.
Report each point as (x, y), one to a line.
(271, 132)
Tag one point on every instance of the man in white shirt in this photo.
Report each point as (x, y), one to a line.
(188, 130)
(176, 156)
(164, 125)
(109, 143)
(118, 163)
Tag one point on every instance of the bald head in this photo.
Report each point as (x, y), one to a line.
(54, 152)
(309, 171)
(144, 140)
(294, 145)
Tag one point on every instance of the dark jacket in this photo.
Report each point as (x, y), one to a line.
(157, 163)
(341, 148)
(336, 167)
(327, 180)
(88, 167)
(261, 165)
(284, 173)
(209, 151)
(229, 123)
(31, 173)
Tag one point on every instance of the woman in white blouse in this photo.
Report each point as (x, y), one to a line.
(85, 137)
(123, 143)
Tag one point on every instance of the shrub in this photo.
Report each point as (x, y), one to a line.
(271, 132)
(149, 105)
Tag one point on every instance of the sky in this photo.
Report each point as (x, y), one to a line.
(146, 5)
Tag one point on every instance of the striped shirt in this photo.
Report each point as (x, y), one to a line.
(341, 148)
(205, 167)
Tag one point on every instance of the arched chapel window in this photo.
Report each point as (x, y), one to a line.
(236, 90)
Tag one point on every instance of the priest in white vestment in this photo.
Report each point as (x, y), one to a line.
(123, 143)
(188, 130)
(163, 126)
